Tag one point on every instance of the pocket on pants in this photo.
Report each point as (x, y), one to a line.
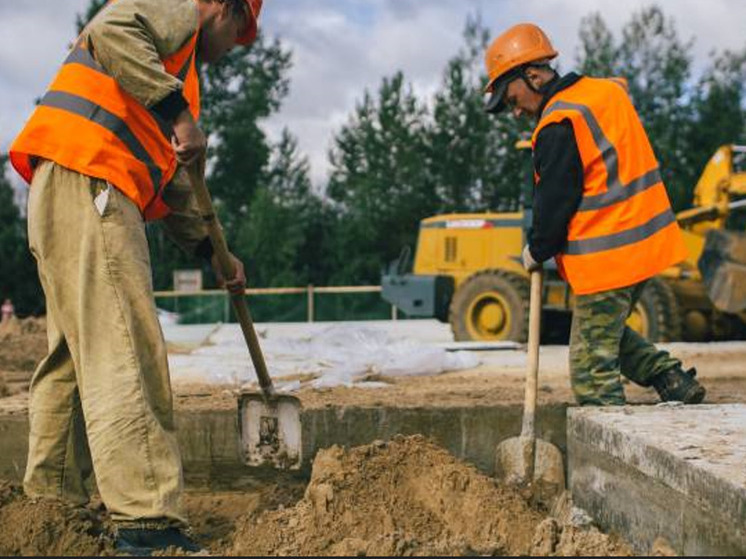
(101, 194)
(104, 196)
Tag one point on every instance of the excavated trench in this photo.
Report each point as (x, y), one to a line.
(407, 496)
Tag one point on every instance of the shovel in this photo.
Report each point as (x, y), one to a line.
(723, 268)
(269, 423)
(526, 460)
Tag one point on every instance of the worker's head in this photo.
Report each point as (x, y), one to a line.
(518, 70)
(226, 23)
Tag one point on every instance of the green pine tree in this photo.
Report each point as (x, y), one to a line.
(381, 180)
(19, 280)
(475, 162)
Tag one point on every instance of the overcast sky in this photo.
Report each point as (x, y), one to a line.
(343, 46)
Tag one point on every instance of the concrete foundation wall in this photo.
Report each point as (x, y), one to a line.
(648, 472)
(209, 439)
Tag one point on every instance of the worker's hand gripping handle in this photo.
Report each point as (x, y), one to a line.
(220, 248)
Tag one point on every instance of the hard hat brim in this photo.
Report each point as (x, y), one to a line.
(496, 102)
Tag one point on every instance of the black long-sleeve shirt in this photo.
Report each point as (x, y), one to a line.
(560, 188)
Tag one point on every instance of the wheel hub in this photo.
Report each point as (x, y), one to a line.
(489, 317)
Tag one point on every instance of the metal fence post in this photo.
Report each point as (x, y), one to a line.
(310, 302)
(394, 313)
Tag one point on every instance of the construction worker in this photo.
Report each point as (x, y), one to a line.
(600, 209)
(7, 311)
(104, 152)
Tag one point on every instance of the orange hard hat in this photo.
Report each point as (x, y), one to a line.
(521, 44)
(254, 6)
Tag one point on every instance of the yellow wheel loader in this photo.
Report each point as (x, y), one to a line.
(467, 271)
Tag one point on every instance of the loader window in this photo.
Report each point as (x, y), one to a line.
(451, 247)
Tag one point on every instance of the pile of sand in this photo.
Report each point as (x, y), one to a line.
(49, 528)
(23, 343)
(409, 497)
(405, 497)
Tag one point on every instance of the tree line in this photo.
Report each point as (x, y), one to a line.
(400, 158)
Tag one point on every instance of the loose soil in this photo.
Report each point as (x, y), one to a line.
(49, 528)
(410, 497)
(23, 343)
(404, 497)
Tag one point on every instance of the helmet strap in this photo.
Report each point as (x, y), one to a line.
(545, 87)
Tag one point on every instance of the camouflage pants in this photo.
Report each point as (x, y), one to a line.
(602, 348)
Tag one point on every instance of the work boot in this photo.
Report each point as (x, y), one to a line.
(144, 541)
(678, 385)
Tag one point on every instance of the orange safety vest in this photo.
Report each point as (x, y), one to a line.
(86, 122)
(624, 230)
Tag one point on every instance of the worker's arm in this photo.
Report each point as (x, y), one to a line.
(559, 191)
(129, 38)
(185, 227)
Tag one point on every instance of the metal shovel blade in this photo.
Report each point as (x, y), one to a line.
(548, 467)
(723, 268)
(270, 431)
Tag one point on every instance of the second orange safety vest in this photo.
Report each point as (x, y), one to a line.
(87, 123)
(624, 230)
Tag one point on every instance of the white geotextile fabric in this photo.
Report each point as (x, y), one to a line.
(339, 355)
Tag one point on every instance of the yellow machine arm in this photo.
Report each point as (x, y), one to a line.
(715, 191)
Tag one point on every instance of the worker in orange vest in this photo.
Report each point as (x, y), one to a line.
(600, 209)
(104, 151)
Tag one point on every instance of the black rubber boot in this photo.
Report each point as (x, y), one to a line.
(144, 541)
(678, 385)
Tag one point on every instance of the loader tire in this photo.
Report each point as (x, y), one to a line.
(656, 315)
(491, 306)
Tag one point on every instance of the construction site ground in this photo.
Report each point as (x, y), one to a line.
(403, 497)
(497, 380)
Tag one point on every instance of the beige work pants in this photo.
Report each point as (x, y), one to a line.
(101, 399)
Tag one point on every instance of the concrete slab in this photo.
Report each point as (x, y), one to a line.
(672, 471)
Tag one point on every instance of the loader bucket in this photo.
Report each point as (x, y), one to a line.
(723, 268)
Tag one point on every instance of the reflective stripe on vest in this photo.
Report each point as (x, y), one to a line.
(96, 113)
(623, 231)
(81, 56)
(616, 240)
(617, 191)
(133, 150)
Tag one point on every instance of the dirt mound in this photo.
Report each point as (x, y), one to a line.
(408, 497)
(17, 326)
(212, 517)
(48, 528)
(41, 527)
(23, 343)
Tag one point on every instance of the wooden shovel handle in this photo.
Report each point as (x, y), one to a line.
(528, 429)
(220, 249)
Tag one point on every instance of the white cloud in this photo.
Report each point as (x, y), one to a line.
(34, 36)
(342, 47)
